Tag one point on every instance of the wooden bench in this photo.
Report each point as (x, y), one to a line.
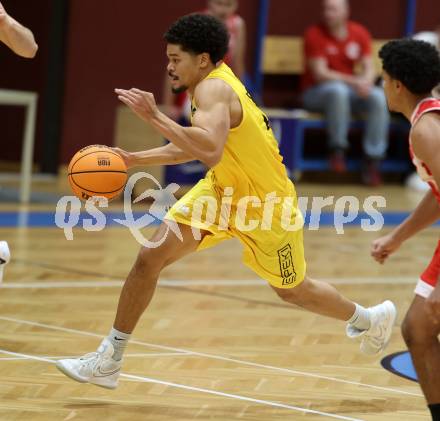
(283, 55)
(293, 124)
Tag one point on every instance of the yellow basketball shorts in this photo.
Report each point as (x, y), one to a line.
(274, 253)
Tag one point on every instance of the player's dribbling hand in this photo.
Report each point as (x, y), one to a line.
(383, 247)
(140, 102)
(128, 157)
(433, 305)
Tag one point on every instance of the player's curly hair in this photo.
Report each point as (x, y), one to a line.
(199, 33)
(414, 63)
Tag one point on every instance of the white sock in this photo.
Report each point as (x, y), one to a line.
(119, 341)
(361, 318)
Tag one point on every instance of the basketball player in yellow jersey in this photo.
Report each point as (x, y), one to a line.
(21, 41)
(232, 137)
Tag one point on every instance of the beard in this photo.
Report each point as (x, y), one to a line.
(179, 90)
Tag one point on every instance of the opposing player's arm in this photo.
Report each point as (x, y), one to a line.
(204, 141)
(18, 38)
(425, 138)
(426, 145)
(424, 215)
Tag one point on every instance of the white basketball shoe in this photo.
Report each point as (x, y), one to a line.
(98, 367)
(376, 338)
(5, 257)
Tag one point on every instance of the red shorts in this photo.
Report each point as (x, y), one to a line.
(429, 278)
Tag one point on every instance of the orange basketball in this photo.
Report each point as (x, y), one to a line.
(97, 171)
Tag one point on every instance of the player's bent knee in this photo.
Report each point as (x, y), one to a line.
(407, 335)
(417, 331)
(296, 295)
(150, 259)
(412, 337)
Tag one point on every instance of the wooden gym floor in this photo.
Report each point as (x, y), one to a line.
(216, 343)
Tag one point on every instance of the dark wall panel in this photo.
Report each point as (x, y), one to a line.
(385, 19)
(116, 43)
(23, 74)
(428, 15)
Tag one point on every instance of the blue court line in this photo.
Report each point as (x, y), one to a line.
(47, 219)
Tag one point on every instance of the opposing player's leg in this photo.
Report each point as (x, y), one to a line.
(103, 367)
(421, 336)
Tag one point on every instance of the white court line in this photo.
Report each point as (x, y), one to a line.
(39, 356)
(214, 282)
(138, 355)
(217, 357)
(61, 284)
(27, 357)
(143, 379)
(243, 398)
(156, 354)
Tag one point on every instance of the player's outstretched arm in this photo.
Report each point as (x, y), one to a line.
(426, 213)
(164, 155)
(426, 143)
(18, 38)
(204, 141)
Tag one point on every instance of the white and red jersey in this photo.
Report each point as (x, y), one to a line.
(428, 105)
(430, 277)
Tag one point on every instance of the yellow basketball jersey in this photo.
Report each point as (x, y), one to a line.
(251, 162)
(252, 166)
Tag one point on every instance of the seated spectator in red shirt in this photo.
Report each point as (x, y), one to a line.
(333, 50)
